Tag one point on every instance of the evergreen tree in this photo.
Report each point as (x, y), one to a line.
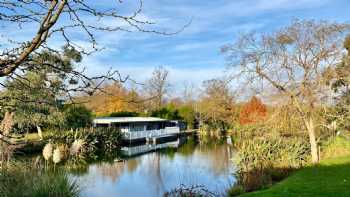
(35, 98)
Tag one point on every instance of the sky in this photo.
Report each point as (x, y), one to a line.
(193, 55)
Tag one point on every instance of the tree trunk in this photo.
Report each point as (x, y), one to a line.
(7, 123)
(312, 138)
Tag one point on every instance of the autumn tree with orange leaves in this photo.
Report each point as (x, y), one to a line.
(252, 112)
(114, 98)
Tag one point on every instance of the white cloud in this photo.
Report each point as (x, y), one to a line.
(140, 72)
(263, 5)
(207, 15)
(196, 45)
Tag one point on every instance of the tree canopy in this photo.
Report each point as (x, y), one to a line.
(216, 106)
(157, 87)
(292, 61)
(36, 96)
(253, 111)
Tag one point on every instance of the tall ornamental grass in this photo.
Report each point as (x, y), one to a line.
(88, 141)
(23, 181)
(261, 161)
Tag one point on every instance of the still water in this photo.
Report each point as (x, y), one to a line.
(189, 161)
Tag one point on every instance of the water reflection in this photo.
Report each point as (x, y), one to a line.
(144, 148)
(153, 173)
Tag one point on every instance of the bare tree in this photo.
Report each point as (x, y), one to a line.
(76, 15)
(157, 87)
(292, 61)
(216, 106)
(62, 20)
(189, 92)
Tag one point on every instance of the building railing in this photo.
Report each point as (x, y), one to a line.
(151, 133)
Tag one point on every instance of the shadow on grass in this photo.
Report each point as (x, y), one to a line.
(330, 178)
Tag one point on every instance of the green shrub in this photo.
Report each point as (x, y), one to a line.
(261, 161)
(77, 116)
(188, 114)
(335, 147)
(97, 140)
(23, 181)
(235, 190)
(169, 112)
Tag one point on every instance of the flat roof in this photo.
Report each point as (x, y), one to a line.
(108, 120)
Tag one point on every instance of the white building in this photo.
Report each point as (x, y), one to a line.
(134, 128)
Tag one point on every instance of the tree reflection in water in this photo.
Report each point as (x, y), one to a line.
(154, 173)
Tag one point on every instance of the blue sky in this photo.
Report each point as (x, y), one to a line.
(194, 54)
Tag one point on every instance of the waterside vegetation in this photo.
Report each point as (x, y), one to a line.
(285, 106)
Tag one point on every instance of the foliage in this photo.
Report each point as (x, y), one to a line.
(283, 61)
(112, 98)
(169, 112)
(260, 153)
(336, 147)
(261, 161)
(235, 190)
(242, 132)
(282, 120)
(193, 191)
(327, 179)
(96, 140)
(340, 84)
(341, 112)
(216, 107)
(41, 107)
(124, 114)
(172, 112)
(77, 116)
(253, 111)
(25, 181)
(188, 114)
(269, 151)
(38, 103)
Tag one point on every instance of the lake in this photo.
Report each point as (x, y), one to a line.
(186, 161)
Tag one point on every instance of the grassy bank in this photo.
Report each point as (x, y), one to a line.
(330, 178)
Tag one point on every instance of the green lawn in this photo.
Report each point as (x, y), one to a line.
(330, 178)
